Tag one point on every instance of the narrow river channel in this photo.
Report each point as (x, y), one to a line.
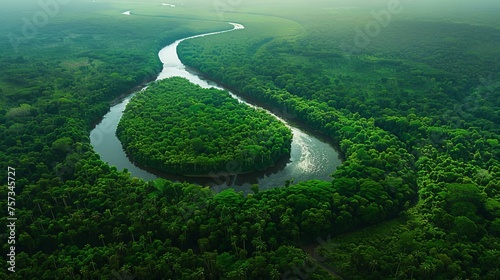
(310, 158)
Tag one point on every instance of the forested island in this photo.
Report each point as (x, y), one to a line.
(432, 108)
(178, 127)
(410, 94)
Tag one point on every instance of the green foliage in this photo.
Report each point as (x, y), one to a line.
(406, 117)
(178, 127)
(412, 113)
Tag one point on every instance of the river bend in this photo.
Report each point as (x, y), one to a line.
(310, 158)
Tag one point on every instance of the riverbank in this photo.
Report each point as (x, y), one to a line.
(177, 126)
(310, 158)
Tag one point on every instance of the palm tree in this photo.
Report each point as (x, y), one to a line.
(125, 270)
(412, 269)
(101, 237)
(259, 244)
(168, 257)
(51, 212)
(78, 215)
(177, 268)
(275, 274)
(84, 272)
(200, 273)
(131, 229)
(114, 262)
(93, 264)
(108, 213)
(53, 261)
(399, 257)
(184, 229)
(173, 228)
(117, 233)
(96, 216)
(164, 211)
(373, 264)
(232, 275)
(495, 274)
(240, 272)
(142, 241)
(345, 266)
(244, 238)
(121, 247)
(154, 196)
(140, 216)
(419, 255)
(203, 244)
(428, 268)
(234, 239)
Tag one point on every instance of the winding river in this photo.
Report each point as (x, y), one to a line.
(310, 158)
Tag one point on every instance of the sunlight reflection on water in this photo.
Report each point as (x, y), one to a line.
(310, 158)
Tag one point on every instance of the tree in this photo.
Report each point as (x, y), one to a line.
(101, 237)
(465, 227)
(131, 230)
(117, 233)
(255, 188)
(188, 140)
(275, 274)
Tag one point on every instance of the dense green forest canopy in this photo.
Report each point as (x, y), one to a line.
(430, 79)
(414, 110)
(178, 127)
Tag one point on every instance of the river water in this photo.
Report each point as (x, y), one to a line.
(310, 157)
